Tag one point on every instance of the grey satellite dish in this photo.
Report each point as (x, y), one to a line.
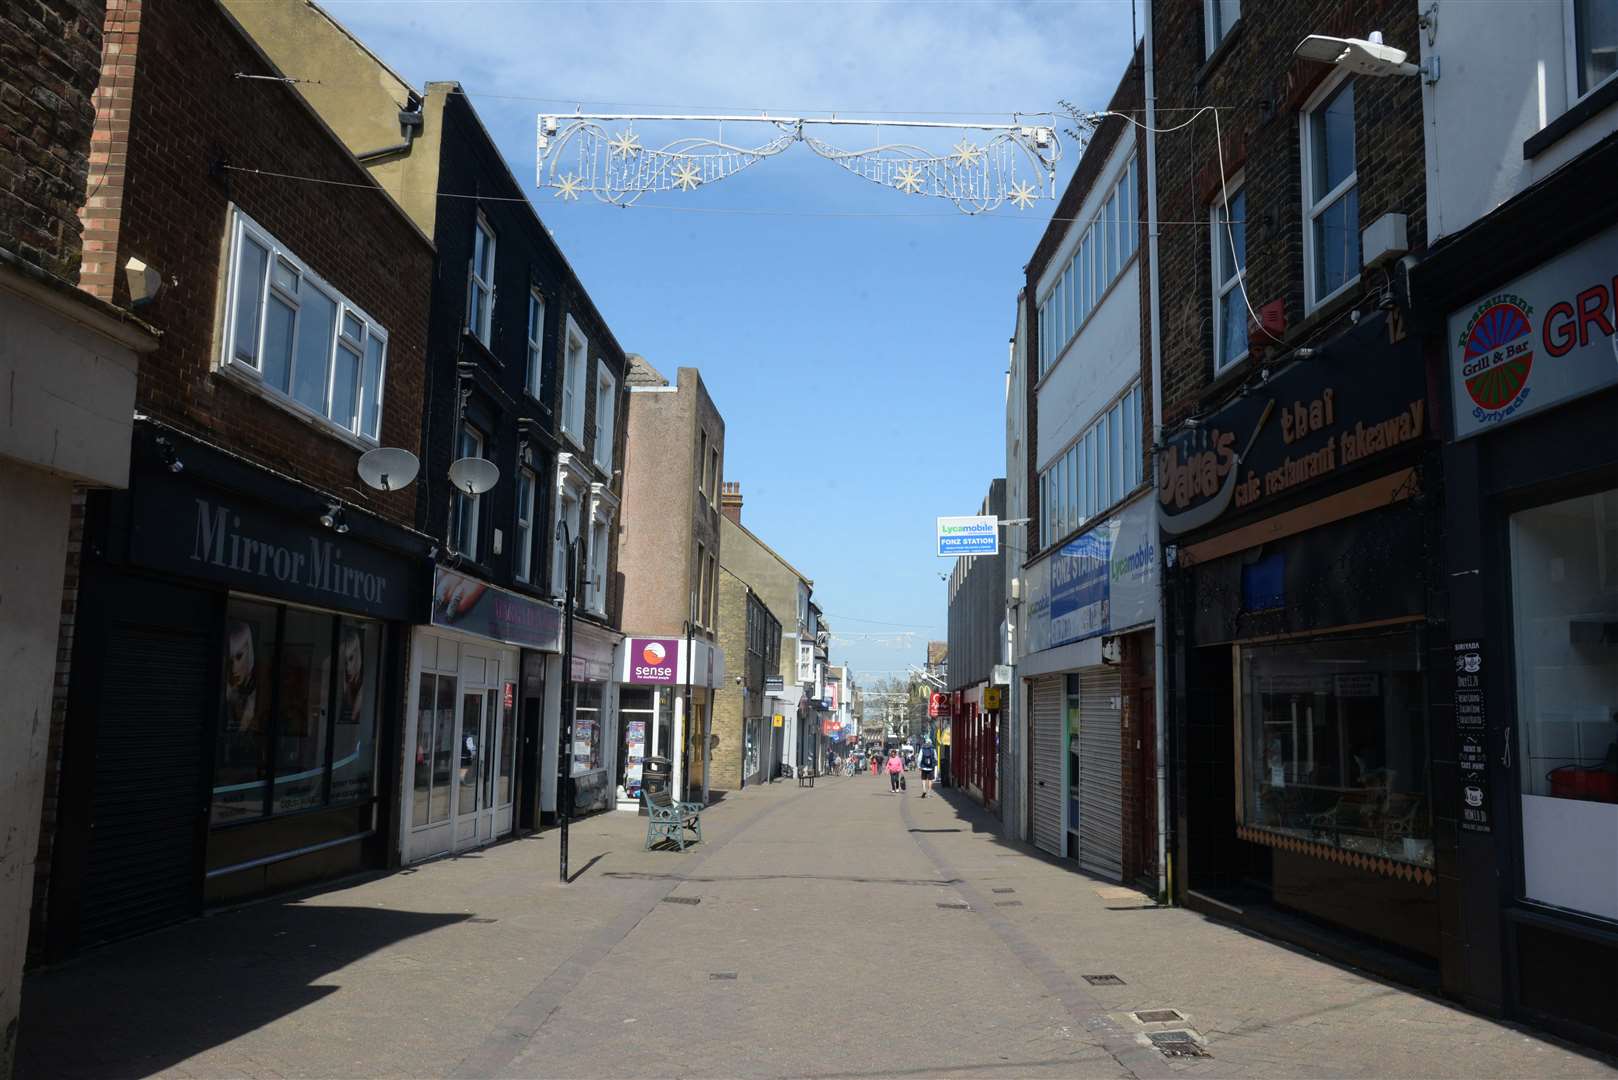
(388, 468)
(474, 475)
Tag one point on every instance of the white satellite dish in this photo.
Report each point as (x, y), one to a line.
(388, 468)
(474, 475)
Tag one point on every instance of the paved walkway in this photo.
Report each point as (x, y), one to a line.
(841, 931)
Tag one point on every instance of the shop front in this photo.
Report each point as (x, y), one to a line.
(595, 717)
(236, 655)
(1533, 528)
(1300, 536)
(657, 676)
(1084, 599)
(473, 699)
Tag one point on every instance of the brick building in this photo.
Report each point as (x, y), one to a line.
(237, 638)
(68, 365)
(1298, 487)
(744, 736)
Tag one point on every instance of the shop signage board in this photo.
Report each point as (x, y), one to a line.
(226, 538)
(1103, 580)
(778, 720)
(977, 535)
(462, 602)
(774, 684)
(653, 661)
(1471, 731)
(991, 698)
(1541, 339)
(1359, 399)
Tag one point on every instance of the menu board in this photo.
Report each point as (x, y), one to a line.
(1471, 737)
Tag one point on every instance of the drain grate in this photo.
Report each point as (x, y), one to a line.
(721, 976)
(1158, 1016)
(682, 899)
(953, 906)
(1103, 980)
(1004, 890)
(1008, 903)
(1177, 1044)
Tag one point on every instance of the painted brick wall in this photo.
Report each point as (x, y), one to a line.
(1259, 90)
(49, 59)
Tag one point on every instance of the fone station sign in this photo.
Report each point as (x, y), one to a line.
(968, 536)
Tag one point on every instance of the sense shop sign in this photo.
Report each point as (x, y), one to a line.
(1355, 402)
(227, 539)
(1537, 341)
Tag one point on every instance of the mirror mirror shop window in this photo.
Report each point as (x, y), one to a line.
(1334, 744)
(298, 727)
(302, 340)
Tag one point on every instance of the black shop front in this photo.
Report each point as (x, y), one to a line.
(1299, 537)
(233, 707)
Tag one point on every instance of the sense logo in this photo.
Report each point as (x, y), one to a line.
(654, 654)
(1497, 353)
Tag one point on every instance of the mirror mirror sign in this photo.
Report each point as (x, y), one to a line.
(978, 535)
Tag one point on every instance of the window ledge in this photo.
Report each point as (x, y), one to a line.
(1564, 125)
(255, 386)
(485, 350)
(1220, 51)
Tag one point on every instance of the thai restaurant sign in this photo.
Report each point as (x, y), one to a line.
(1539, 340)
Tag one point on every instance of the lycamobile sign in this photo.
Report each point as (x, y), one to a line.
(968, 536)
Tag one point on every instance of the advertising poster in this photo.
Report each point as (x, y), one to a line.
(634, 755)
(1102, 581)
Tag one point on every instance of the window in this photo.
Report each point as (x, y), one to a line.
(435, 748)
(606, 416)
(702, 460)
(573, 383)
(480, 282)
(1097, 260)
(299, 724)
(1102, 467)
(568, 506)
(464, 536)
(1595, 44)
(713, 475)
(1229, 263)
(710, 596)
(699, 590)
(523, 562)
(1219, 16)
(536, 339)
(596, 587)
(587, 700)
(1564, 593)
(1331, 234)
(1334, 744)
(299, 340)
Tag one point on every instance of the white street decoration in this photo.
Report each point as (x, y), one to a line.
(686, 177)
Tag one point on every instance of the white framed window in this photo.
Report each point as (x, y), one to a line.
(1592, 30)
(465, 524)
(480, 282)
(524, 533)
(574, 374)
(596, 587)
(1331, 203)
(1101, 468)
(298, 340)
(536, 343)
(1228, 243)
(1218, 16)
(568, 506)
(606, 415)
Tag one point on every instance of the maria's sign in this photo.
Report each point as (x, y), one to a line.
(1543, 339)
(1355, 401)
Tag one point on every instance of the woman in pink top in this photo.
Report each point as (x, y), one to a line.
(896, 765)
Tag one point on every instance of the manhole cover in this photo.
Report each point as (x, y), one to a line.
(722, 976)
(682, 899)
(1177, 1044)
(1008, 903)
(952, 907)
(1159, 1016)
(1005, 890)
(1103, 980)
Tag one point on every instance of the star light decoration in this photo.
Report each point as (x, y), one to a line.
(577, 155)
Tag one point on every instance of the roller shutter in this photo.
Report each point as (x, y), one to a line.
(1045, 799)
(1101, 827)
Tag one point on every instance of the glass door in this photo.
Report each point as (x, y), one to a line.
(473, 749)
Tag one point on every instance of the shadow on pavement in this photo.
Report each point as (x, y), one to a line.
(141, 1006)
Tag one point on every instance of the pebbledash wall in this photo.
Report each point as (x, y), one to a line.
(124, 846)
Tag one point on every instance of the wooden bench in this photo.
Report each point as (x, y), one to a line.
(668, 820)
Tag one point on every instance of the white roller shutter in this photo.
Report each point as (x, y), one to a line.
(1101, 780)
(1045, 799)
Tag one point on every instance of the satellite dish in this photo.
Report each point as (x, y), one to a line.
(388, 468)
(474, 475)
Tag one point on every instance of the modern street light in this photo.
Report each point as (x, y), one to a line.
(564, 780)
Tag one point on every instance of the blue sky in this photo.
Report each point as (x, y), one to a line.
(854, 338)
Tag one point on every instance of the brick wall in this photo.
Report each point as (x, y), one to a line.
(48, 69)
(1260, 91)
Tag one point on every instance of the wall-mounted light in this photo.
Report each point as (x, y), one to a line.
(334, 518)
(171, 456)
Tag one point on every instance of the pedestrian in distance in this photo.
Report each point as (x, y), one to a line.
(876, 764)
(896, 766)
(929, 765)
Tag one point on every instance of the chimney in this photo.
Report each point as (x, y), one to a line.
(730, 500)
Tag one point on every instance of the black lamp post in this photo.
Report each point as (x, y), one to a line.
(564, 780)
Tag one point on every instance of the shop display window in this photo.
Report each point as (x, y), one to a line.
(1334, 744)
(298, 728)
(1564, 593)
(587, 700)
(435, 745)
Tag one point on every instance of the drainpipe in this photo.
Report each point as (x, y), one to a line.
(1160, 660)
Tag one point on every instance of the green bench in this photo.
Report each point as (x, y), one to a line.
(668, 820)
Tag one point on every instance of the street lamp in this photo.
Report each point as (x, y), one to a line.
(564, 780)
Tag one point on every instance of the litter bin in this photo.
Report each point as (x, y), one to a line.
(655, 777)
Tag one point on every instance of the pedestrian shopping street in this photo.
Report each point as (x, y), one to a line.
(833, 931)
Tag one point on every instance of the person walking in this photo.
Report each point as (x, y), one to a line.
(929, 765)
(876, 765)
(896, 766)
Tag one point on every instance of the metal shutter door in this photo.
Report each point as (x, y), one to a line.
(143, 867)
(1101, 783)
(1045, 800)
